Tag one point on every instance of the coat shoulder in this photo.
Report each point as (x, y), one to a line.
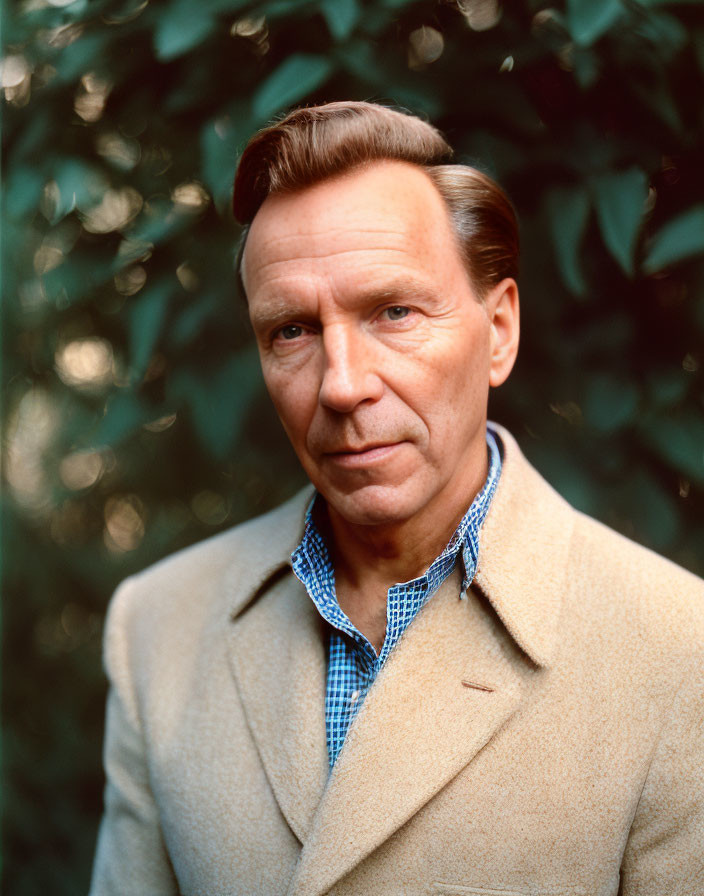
(217, 576)
(628, 582)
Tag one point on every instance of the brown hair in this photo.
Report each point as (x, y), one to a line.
(312, 144)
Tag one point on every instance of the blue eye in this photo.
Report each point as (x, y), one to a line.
(397, 312)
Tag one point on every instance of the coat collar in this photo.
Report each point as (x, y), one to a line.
(523, 553)
(522, 558)
(262, 549)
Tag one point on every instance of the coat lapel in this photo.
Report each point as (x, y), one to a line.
(441, 696)
(277, 656)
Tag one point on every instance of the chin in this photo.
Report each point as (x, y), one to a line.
(373, 506)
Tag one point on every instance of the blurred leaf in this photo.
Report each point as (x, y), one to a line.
(656, 96)
(500, 156)
(587, 20)
(124, 414)
(658, 519)
(341, 16)
(564, 471)
(668, 387)
(87, 54)
(680, 442)
(619, 199)
(79, 186)
(360, 58)
(218, 6)
(30, 140)
(610, 403)
(586, 66)
(279, 8)
(219, 401)
(129, 251)
(158, 222)
(180, 28)
(568, 211)
(665, 32)
(220, 142)
(678, 239)
(418, 96)
(23, 190)
(299, 75)
(614, 332)
(75, 280)
(147, 316)
(670, 2)
(189, 323)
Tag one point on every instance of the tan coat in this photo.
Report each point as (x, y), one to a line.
(543, 735)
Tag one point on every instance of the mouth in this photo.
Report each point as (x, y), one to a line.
(363, 456)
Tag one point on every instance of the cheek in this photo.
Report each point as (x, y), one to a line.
(459, 374)
(295, 400)
(453, 394)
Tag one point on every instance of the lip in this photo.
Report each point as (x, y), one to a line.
(363, 457)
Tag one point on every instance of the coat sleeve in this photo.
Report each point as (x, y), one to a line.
(665, 849)
(131, 857)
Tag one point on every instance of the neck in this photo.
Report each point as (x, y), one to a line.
(369, 559)
(372, 558)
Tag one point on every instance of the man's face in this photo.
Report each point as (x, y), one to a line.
(374, 348)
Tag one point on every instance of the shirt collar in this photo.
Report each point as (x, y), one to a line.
(466, 536)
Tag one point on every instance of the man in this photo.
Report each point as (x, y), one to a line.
(428, 674)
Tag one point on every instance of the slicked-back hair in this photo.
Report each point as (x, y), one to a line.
(314, 144)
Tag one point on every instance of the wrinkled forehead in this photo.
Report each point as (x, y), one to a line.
(386, 209)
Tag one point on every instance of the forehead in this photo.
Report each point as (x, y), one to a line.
(385, 218)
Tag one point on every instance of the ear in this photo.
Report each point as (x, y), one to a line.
(503, 309)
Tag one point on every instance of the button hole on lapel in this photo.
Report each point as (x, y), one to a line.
(477, 686)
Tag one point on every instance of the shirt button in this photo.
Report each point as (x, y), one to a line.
(354, 696)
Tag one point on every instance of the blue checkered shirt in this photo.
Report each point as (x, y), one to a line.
(352, 661)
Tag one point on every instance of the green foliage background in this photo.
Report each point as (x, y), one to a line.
(135, 420)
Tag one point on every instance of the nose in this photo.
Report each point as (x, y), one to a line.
(350, 376)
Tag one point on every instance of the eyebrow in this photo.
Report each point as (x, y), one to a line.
(402, 289)
(277, 310)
